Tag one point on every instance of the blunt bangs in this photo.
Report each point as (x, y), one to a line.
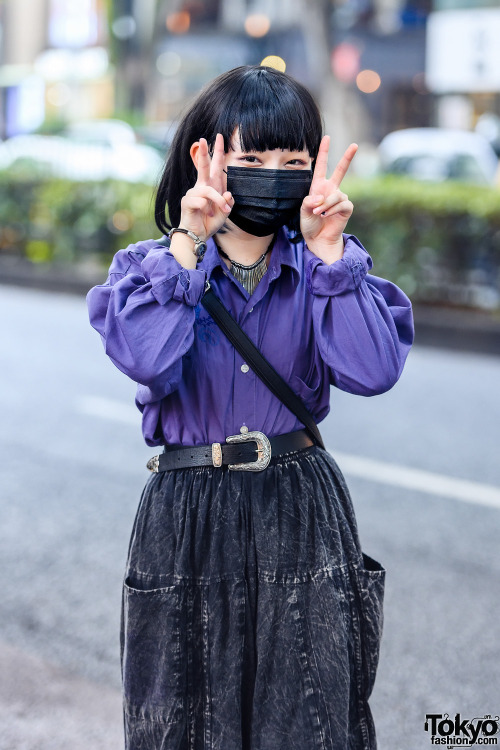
(271, 110)
(271, 113)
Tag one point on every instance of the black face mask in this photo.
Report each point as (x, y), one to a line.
(266, 199)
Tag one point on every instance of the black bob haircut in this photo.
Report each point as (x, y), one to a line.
(271, 110)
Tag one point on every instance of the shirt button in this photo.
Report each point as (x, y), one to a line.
(251, 309)
(244, 367)
(243, 429)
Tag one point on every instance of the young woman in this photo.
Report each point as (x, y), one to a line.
(251, 617)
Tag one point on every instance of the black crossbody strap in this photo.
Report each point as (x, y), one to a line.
(259, 364)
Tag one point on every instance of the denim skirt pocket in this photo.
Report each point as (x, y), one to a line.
(369, 585)
(153, 652)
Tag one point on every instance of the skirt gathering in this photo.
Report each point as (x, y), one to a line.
(251, 618)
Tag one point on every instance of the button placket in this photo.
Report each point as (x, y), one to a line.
(244, 382)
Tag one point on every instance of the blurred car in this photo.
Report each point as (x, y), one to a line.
(158, 135)
(95, 150)
(439, 154)
(109, 133)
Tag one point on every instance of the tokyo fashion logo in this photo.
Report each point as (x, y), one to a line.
(460, 732)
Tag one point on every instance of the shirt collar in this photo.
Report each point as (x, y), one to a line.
(284, 253)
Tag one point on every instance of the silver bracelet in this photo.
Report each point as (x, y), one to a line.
(200, 245)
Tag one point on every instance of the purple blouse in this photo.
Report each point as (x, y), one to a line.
(317, 324)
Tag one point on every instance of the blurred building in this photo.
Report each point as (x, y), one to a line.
(374, 65)
(463, 61)
(195, 41)
(384, 42)
(368, 54)
(53, 62)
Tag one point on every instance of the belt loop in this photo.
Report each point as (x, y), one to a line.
(216, 454)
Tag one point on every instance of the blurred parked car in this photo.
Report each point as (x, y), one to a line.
(158, 135)
(94, 150)
(439, 154)
(111, 133)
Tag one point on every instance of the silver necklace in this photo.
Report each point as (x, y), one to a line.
(249, 276)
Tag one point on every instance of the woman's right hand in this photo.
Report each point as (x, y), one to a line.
(206, 206)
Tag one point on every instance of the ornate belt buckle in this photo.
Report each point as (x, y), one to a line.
(263, 451)
(153, 464)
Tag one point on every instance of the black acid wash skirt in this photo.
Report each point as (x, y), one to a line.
(251, 619)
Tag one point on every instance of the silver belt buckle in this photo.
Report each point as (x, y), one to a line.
(153, 464)
(263, 451)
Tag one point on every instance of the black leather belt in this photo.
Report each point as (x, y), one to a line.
(249, 451)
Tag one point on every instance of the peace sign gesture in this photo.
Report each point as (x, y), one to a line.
(206, 206)
(326, 210)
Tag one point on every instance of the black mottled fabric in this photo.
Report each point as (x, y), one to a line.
(251, 618)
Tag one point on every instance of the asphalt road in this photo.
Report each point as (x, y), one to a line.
(422, 464)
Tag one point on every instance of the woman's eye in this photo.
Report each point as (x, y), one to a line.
(249, 159)
(296, 162)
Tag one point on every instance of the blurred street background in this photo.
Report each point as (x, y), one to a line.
(91, 92)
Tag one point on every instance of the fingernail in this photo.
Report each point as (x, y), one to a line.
(227, 208)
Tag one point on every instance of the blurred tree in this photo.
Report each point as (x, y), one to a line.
(340, 107)
(132, 24)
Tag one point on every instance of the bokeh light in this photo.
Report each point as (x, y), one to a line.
(368, 81)
(178, 23)
(168, 63)
(121, 221)
(124, 27)
(58, 94)
(257, 25)
(274, 61)
(346, 62)
(418, 83)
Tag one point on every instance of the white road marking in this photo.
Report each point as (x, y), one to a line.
(439, 485)
(107, 408)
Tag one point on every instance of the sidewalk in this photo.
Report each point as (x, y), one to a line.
(446, 328)
(44, 708)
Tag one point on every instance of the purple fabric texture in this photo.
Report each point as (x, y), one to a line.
(317, 324)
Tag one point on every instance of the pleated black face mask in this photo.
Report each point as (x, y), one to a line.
(266, 199)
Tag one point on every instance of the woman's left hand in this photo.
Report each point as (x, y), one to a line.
(326, 210)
